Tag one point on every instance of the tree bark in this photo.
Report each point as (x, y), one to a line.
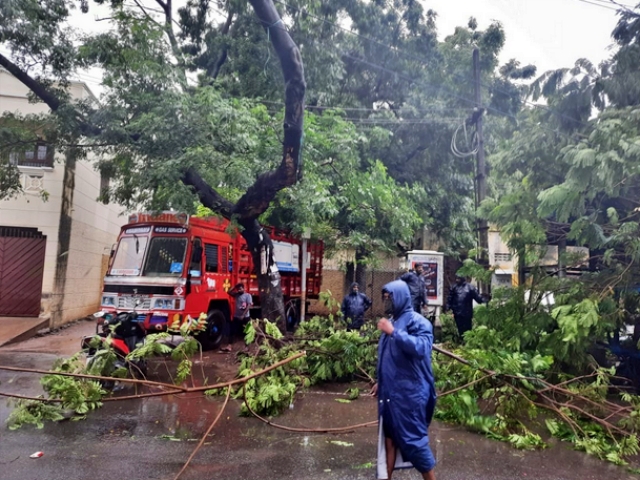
(259, 196)
(269, 280)
(361, 269)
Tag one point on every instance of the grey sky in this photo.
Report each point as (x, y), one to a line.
(548, 33)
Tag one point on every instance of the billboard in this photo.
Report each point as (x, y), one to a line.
(433, 265)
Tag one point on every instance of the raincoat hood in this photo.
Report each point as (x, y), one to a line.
(401, 297)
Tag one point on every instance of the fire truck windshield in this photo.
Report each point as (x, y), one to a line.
(165, 257)
(129, 256)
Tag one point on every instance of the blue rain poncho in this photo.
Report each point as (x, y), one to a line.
(353, 307)
(406, 386)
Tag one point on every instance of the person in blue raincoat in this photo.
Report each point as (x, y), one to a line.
(354, 306)
(405, 386)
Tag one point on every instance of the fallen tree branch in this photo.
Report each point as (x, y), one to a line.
(175, 389)
(94, 377)
(548, 402)
(25, 397)
(306, 430)
(206, 434)
(466, 385)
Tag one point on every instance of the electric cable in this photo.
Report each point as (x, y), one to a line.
(475, 144)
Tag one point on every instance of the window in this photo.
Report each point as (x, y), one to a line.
(502, 257)
(211, 254)
(165, 257)
(129, 256)
(195, 268)
(39, 155)
(224, 262)
(502, 280)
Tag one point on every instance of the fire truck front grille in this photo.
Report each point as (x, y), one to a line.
(129, 303)
(139, 289)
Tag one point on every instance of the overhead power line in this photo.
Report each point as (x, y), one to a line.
(607, 6)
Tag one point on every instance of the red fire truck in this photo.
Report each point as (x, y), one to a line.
(172, 266)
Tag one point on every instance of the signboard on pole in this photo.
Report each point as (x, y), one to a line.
(433, 266)
(286, 256)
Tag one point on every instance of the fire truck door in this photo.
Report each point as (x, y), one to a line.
(195, 267)
(215, 272)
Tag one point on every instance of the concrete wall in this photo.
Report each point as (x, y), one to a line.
(93, 228)
(334, 280)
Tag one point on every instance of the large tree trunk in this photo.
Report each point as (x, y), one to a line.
(269, 281)
(259, 196)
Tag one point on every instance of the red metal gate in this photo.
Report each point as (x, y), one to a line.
(21, 269)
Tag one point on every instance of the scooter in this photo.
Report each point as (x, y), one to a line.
(120, 334)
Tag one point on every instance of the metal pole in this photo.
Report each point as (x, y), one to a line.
(481, 174)
(303, 288)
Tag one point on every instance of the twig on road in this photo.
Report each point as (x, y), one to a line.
(206, 434)
(25, 397)
(307, 430)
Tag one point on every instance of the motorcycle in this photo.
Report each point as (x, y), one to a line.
(114, 341)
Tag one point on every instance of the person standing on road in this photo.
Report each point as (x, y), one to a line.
(415, 280)
(405, 386)
(460, 302)
(353, 307)
(241, 316)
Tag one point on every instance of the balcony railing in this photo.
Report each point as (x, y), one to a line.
(40, 156)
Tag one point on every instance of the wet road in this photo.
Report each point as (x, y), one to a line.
(151, 439)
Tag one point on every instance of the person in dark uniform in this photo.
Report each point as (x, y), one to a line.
(353, 307)
(460, 302)
(417, 288)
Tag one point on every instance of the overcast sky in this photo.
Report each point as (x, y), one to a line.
(547, 33)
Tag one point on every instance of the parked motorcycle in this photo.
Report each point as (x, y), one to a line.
(116, 337)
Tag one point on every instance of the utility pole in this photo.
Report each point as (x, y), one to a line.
(306, 235)
(481, 172)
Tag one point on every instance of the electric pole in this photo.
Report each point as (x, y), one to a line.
(481, 172)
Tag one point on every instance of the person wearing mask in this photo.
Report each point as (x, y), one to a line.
(460, 302)
(353, 307)
(405, 386)
(415, 280)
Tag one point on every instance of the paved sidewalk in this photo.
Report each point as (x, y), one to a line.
(16, 329)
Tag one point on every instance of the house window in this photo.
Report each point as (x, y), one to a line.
(39, 155)
(502, 280)
(502, 257)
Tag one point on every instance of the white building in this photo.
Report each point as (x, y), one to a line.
(506, 262)
(53, 252)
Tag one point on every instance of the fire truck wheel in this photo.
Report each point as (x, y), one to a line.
(212, 337)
